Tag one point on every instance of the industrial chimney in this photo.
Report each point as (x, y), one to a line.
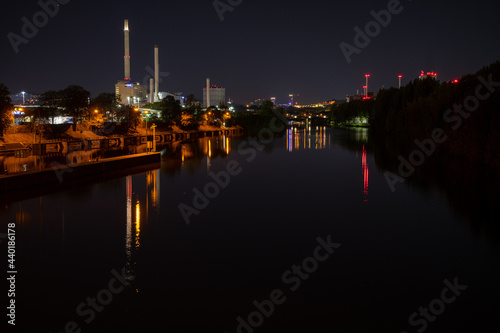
(127, 52)
(208, 92)
(151, 90)
(157, 74)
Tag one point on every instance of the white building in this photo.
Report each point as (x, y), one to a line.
(177, 96)
(216, 96)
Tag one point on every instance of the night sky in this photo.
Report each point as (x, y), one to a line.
(261, 49)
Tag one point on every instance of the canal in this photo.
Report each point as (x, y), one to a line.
(302, 234)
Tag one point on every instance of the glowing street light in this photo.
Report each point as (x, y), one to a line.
(154, 135)
(147, 138)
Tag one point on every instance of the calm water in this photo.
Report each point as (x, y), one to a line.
(254, 241)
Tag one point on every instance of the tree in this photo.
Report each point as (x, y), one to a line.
(171, 111)
(266, 108)
(191, 100)
(5, 109)
(223, 106)
(131, 117)
(106, 102)
(76, 101)
(50, 101)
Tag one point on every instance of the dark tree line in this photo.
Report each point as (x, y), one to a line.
(415, 110)
(5, 109)
(73, 101)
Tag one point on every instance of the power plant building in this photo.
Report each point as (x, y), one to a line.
(128, 91)
(177, 96)
(213, 95)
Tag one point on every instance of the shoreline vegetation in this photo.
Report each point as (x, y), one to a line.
(467, 112)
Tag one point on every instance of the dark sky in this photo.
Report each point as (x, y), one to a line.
(261, 49)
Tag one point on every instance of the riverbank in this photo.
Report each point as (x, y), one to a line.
(25, 134)
(351, 126)
(57, 174)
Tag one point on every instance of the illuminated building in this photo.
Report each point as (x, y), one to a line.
(130, 92)
(257, 102)
(424, 76)
(216, 95)
(25, 99)
(177, 96)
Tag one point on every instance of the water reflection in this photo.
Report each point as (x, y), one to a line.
(137, 213)
(308, 137)
(131, 238)
(22, 216)
(321, 137)
(137, 224)
(22, 161)
(364, 167)
(153, 187)
(475, 196)
(471, 188)
(189, 155)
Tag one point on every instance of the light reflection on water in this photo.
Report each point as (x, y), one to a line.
(232, 254)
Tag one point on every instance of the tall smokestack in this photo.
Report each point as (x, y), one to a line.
(208, 92)
(157, 74)
(127, 52)
(151, 90)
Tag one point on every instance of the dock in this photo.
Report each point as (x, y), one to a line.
(122, 141)
(60, 174)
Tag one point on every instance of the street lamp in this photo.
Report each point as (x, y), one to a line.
(154, 137)
(147, 138)
(400, 76)
(23, 92)
(367, 76)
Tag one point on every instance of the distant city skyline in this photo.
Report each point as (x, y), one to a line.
(259, 49)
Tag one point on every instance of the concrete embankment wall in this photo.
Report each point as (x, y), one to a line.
(66, 173)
